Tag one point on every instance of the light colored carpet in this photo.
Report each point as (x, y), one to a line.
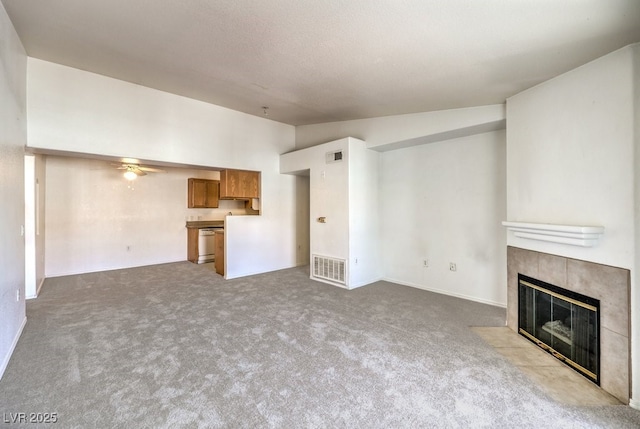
(175, 345)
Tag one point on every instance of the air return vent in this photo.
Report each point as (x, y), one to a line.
(331, 269)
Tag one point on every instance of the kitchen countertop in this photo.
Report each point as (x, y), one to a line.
(197, 224)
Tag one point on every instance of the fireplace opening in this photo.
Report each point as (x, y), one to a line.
(564, 323)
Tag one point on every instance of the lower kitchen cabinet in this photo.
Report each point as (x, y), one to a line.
(193, 238)
(219, 248)
(192, 244)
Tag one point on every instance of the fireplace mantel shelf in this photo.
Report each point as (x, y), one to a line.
(575, 235)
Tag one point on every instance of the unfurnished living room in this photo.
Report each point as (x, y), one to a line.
(338, 213)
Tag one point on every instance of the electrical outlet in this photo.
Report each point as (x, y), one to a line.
(425, 263)
(18, 295)
(452, 266)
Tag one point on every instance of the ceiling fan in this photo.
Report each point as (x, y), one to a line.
(131, 171)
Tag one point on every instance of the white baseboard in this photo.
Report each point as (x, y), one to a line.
(446, 292)
(40, 286)
(365, 283)
(113, 268)
(37, 290)
(236, 275)
(634, 403)
(5, 363)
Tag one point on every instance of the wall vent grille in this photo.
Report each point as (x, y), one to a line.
(335, 156)
(331, 269)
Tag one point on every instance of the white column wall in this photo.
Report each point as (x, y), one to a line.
(345, 193)
(39, 222)
(34, 177)
(30, 282)
(329, 196)
(364, 216)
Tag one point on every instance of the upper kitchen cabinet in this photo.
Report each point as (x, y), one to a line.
(203, 193)
(239, 184)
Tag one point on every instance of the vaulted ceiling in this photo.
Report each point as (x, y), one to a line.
(313, 61)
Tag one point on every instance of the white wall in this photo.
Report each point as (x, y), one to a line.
(572, 156)
(401, 131)
(79, 112)
(345, 193)
(97, 220)
(444, 202)
(39, 221)
(427, 179)
(30, 226)
(329, 196)
(34, 177)
(635, 274)
(13, 137)
(364, 215)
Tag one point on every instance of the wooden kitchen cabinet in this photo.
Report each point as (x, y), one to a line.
(192, 245)
(219, 251)
(203, 193)
(193, 236)
(239, 184)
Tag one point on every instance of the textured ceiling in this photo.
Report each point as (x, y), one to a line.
(316, 61)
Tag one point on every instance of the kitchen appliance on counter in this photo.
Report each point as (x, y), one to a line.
(206, 244)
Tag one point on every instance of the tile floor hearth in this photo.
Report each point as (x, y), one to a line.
(559, 381)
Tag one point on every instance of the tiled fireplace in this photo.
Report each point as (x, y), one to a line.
(609, 285)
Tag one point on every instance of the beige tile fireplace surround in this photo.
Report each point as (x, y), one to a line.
(611, 285)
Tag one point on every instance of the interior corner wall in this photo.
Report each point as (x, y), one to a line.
(34, 223)
(364, 216)
(635, 292)
(39, 221)
(30, 226)
(78, 112)
(443, 202)
(572, 158)
(13, 138)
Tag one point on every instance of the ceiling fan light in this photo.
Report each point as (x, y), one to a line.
(130, 175)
